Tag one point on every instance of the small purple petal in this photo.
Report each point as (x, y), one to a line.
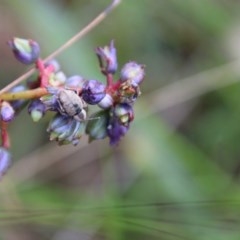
(124, 113)
(5, 161)
(116, 131)
(7, 112)
(93, 91)
(106, 102)
(108, 57)
(132, 72)
(51, 101)
(65, 130)
(120, 117)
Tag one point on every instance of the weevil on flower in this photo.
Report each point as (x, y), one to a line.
(70, 98)
(65, 101)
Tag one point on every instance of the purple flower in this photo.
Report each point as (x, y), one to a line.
(36, 109)
(108, 58)
(5, 161)
(25, 51)
(65, 130)
(132, 72)
(116, 131)
(66, 102)
(93, 91)
(124, 113)
(106, 102)
(120, 117)
(6, 112)
(50, 101)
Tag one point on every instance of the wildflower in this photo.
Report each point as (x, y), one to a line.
(6, 112)
(65, 130)
(120, 117)
(132, 72)
(36, 109)
(5, 160)
(106, 102)
(50, 101)
(123, 112)
(93, 91)
(25, 51)
(108, 58)
(66, 102)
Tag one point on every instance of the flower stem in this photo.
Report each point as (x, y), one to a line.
(4, 135)
(109, 80)
(66, 45)
(28, 94)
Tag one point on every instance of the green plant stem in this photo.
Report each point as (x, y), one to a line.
(28, 94)
(66, 45)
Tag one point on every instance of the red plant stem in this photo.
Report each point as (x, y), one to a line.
(4, 135)
(44, 72)
(109, 80)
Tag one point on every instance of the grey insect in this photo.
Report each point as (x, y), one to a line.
(71, 104)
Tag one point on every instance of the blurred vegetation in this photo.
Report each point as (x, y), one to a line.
(176, 174)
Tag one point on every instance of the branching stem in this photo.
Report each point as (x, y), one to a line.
(66, 45)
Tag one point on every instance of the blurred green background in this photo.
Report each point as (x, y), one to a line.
(176, 173)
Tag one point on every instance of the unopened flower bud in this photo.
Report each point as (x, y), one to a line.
(132, 72)
(36, 109)
(108, 58)
(26, 51)
(120, 117)
(75, 81)
(106, 102)
(57, 79)
(6, 112)
(93, 91)
(5, 160)
(97, 125)
(116, 131)
(124, 113)
(17, 104)
(65, 130)
(50, 101)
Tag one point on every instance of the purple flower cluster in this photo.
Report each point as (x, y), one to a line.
(70, 98)
(114, 121)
